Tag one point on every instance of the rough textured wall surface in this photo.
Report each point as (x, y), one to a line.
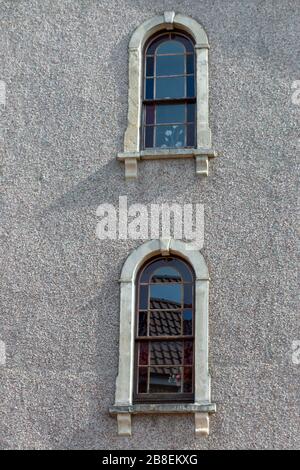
(65, 67)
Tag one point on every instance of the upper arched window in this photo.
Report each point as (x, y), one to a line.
(169, 92)
(164, 332)
(168, 112)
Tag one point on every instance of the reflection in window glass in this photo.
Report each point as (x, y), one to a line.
(170, 136)
(150, 67)
(142, 331)
(164, 341)
(144, 297)
(173, 87)
(188, 295)
(188, 380)
(165, 380)
(170, 65)
(149, 136)
(171, 47)
(165, 323)
(167, 294)
(166, 114)
(142, 379)
(143, 353)
(169, 77)
(188, 353)
(149, 88)
(166, 274)
(187, 322)
(166, 353)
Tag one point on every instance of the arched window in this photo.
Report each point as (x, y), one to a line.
(164, 338)
(168, 112)
(163, 349)
(169, 92)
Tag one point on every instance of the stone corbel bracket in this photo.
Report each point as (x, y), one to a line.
(201, 156)
(200, 411)
(132, 137)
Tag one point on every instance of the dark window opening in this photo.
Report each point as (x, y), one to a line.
(169, 92)
(164, 332)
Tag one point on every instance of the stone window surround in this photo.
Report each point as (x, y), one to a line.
(202, 406)
(132, 145)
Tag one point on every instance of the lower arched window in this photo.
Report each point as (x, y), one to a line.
(164, 331)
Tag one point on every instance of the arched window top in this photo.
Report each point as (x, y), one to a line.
(174, 43)
(169, 20)
(170, 47)
(163, 270)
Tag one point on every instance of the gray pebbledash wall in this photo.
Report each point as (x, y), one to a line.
(64, 64)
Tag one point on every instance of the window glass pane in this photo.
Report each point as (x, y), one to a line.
(149, 88)
(150, 109)
(188, 380)
(188, 295)
(188, 353)
(147, 273)
(166, 274)
(143, 297)
(170, 65)
(190, 112)
(190, 136)
(190, 63)
(170, 87)
(165, 296)
(165, 323)
(187, 43)
(184, 270)
(165, 380)
(143, 353)
(149, 132)
(170, 47)
(187, 322)
(190, 87)
(166, 353)
(142, 329)
(150, 66)
(170, 136)
(170, 114)
(165, 366)
(142, 379)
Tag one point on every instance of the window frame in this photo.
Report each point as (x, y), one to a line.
(202, 406)
(164, 101)
(132, 148)
(159, 397)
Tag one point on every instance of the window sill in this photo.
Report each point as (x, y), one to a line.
(201, 156)
(200, 410)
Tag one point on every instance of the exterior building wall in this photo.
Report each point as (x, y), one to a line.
(65, 68)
